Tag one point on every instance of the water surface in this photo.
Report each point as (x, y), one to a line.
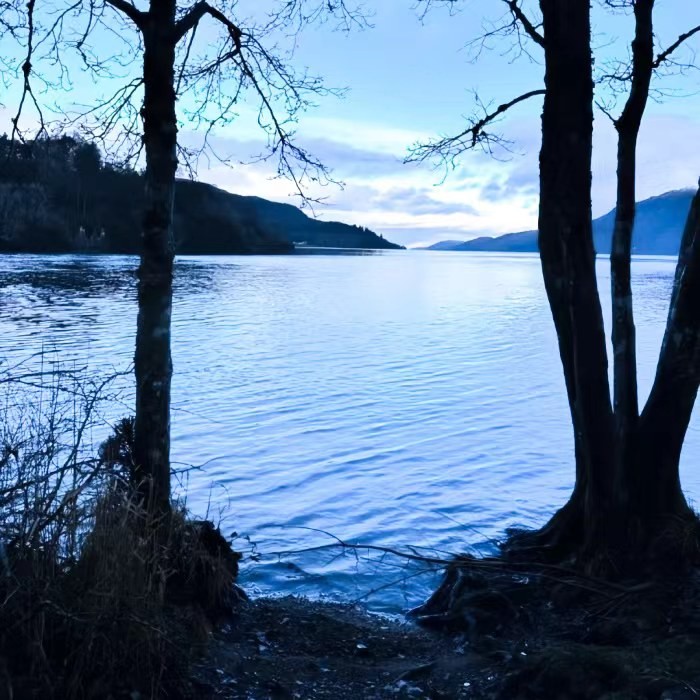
(396, 398)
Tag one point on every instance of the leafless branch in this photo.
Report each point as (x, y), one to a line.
(527, 25)
(126, 8)
(606, 109)
(664, 55)
(293, 15)
(448, 148)
(27, 91)
(192, 18)
(514, 24)
(244, 64)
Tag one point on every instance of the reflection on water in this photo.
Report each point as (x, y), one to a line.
(398, 398)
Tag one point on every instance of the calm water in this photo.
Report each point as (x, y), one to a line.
(405, 398)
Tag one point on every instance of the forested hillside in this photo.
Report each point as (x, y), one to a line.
(59, 196)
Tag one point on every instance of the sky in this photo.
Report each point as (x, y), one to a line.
(409, 79)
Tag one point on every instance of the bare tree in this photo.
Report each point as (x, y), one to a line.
(209, 78)
(627, 487)
(19, 33)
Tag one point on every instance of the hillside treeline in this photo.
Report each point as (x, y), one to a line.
(58, 195)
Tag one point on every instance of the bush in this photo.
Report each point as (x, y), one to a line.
(95, 602)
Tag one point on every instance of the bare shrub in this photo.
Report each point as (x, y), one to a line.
(94, 600)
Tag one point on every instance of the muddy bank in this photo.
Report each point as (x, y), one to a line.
(294, 648)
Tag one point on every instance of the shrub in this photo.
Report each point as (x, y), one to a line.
(95, 601)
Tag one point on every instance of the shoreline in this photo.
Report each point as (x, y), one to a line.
(293, 647)
(551, 645)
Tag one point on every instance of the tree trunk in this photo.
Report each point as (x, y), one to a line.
(567, 254)
(153, 365)
(626, 468)
(665, 418)
(647, 452)
(626, 405)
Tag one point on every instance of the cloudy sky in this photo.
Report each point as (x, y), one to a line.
(409, 79)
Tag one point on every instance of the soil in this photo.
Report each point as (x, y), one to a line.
(290, 648)
(506, 638)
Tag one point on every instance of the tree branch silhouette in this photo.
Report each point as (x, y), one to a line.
(448, 148)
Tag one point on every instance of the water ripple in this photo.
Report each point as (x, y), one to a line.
(403, 398)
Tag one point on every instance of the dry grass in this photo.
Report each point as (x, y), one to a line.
(94, 602)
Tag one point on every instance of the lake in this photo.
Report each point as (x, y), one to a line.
(398, 398)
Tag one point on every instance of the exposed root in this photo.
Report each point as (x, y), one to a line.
(556, 542)
(561, 633)
(617, 548)
(555, 566)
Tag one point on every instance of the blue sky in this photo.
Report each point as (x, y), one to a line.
(408, 80)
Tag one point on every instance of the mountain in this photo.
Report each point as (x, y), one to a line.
(658, 229)
(444, 245)
(57, 195)
(658, 225)
(292, 224)
(523, 242)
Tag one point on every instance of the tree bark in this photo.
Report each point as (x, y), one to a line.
(664, 421)
(566, 248)
(153, 364)
(626, 405)
(627, 487)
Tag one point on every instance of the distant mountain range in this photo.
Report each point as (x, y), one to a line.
(56, 196)
(658, 230)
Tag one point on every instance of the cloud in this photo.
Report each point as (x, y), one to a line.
(401, 202)
(493, 191)
(353, 161)
(376, 137)
(482, 197)
(521, 182)
(415, 200)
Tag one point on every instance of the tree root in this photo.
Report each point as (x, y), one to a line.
(553, 568)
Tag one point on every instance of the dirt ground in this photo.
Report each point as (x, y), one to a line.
(292, 648)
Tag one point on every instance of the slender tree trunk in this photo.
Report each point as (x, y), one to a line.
(567, 254)
(153, 365)
(648, 451)
(626, 403)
